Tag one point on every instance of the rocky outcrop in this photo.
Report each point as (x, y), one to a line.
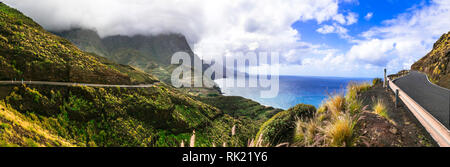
(436, 64)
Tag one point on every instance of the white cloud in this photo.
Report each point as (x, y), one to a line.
(352, 18)
(374, 51)
(335, 28)
(349, 19)
(368, 16)
(405, 39)
(395, 45)
(211, 26)
(326, 29)
(340, 18)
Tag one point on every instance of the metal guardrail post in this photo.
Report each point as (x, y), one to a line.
(396, 98)
(388, 84)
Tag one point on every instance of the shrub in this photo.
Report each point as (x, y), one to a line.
(33, 92)
(377, 81)
(279, 128)
(4, 126)
(353, 89)
(302, 110)
(79, 109)
(213, 95)
(14, 97)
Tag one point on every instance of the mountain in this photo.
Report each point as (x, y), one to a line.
(436, 64)
(86, 40)
(29, 52)
(44, 115)
(158, 49)
(125, 49)
(152, 54)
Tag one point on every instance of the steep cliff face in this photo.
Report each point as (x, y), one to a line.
(155, 48)
(86, 40)
(436, 64)
(151, 54)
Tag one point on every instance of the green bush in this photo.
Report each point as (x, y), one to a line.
(213, 95)
(377, 81)
(79, 109)
(4, 126)
(279, 128)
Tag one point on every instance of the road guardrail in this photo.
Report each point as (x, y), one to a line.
(435, 128)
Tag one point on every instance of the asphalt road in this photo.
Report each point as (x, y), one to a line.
(435, 99)
(72, 84)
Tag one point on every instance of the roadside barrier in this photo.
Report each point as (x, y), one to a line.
(435, 128)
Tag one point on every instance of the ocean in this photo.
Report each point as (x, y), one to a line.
(294, 90)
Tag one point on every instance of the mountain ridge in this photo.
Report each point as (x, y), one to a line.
(436, 64)
(152, 53)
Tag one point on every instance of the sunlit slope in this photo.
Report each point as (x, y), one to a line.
(436, 64)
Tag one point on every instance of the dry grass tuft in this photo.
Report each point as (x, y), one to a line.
(334, 122)
(192, 143)
(258, 143)
(380, 108)
(336, 104)
(307, 132)
(182, 143)
(233, 130)
(340, 131)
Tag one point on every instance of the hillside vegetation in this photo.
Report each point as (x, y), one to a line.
(85, 116)
(29, 52)
(19, 130)
(436, 64)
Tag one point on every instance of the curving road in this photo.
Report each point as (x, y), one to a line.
(435, 99)
(73, 84)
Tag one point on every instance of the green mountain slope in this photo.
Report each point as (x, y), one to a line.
(33, 115)
(18, 130)
(29, 52)
(436, 64)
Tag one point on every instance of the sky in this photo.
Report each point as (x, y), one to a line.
(344, 38)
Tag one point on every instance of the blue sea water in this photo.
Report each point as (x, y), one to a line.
(294, 90)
